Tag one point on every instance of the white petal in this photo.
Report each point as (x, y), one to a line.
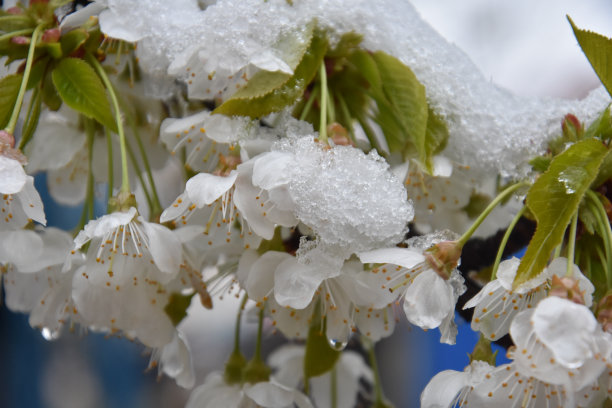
(215, 393)
(21, 248)
(442, 167)
(507, 271)
(296, 283)
(377, 323)
(566, 328)
(268, 394)
(443, 388)
(176, 361)
(115, 28)
(204, 189)
(176, 209)
(271, 169)
(79, 17)
(31, 203)
(260, 280)
(164, 246)
(12, 176)
(428, 300)
(245, 199)
(57, 141)
(288, 363)
(406, 258)
(106, 224)
(68, 184)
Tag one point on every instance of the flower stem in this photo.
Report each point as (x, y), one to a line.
(309, 103)
(500, 197)
(330, 106)
(125, 180)
(334, 388)
(323, 117)
(111, 173)
(88, 205)
(257, 356)
(10, 127)
(504, 241)
(373, 362)
(32, 117)
(238, 321)
(345, 112)
(139, 174)
(156, 209)
(571, 245)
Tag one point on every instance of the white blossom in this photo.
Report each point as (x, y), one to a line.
(215, 392)
(21, 202)
(428, 299)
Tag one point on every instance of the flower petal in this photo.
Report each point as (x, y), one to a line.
(164, 246)
(204, 189)
(260, 279)
(428, 300)
(398, 256)
(12, 176)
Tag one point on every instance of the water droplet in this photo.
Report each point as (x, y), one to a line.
(49, 334)
(572, 178)
(337, 344)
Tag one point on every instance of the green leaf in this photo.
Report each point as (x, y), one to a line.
(38, 71)
(50, 96)
(32, 118)
(259, 97)
(605, 171)
(589, 246)
(319, 357)
(82, 90)
(366, 66)
(601, 127)
(436, 135)
(53, 4)
(406, 96)
(15, 22)
(260, 85)
(9, 88)
(409, 125)
(348, 44)
(540, 163)
(598, 50)
(72, 40)
(53, 48)
(177, 306)
(554, 198)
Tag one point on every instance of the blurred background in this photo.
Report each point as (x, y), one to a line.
(525, 46)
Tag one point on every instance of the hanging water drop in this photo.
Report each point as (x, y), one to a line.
(49, 334)
(338, 345)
